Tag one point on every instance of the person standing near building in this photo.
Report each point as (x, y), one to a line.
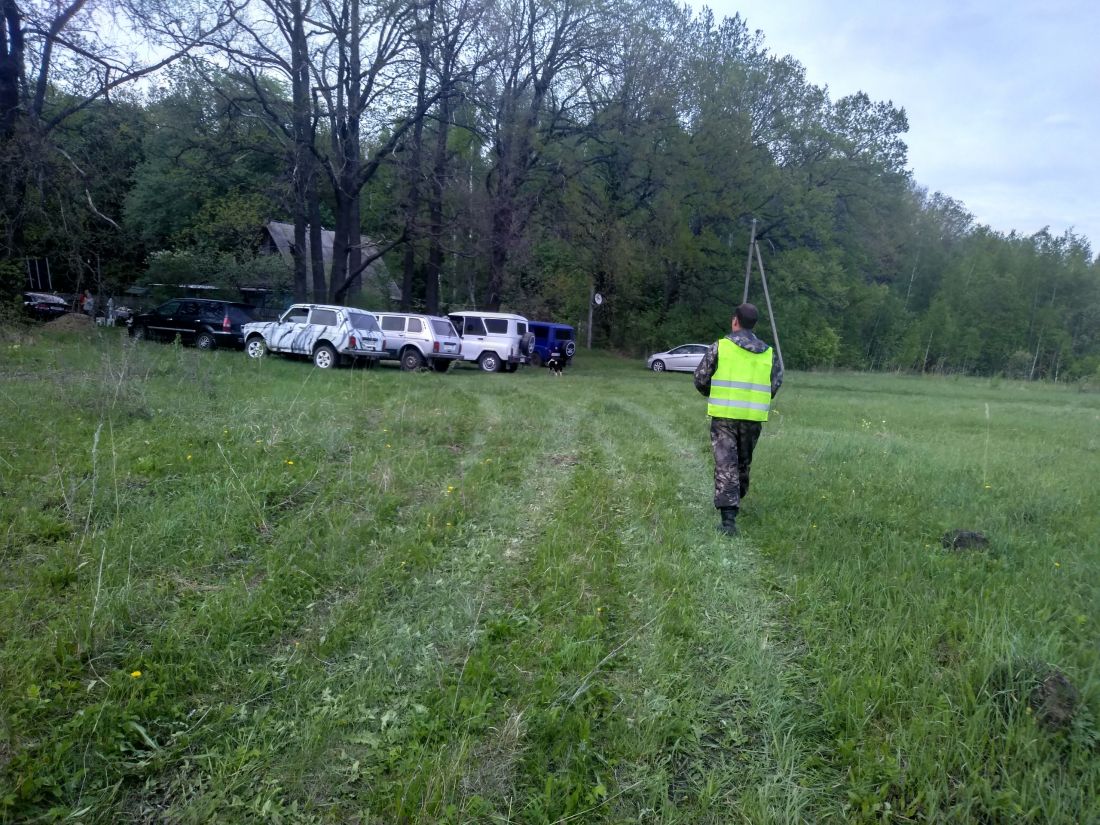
(740, 376)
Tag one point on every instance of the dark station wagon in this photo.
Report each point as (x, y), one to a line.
(202, 322)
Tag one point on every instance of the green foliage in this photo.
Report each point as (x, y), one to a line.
(211, 176)
(206, 266)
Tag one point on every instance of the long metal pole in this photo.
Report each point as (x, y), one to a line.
(768, 301)
(591, 304)
(748, 263)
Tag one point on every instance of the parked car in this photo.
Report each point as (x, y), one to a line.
(550, 336)
(418, 340)
(327, 334)
(494, 340)
(684, 358)
(45, 306)
(204, 322)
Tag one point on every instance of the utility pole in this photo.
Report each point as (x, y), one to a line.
(748, 263)
(754, 251)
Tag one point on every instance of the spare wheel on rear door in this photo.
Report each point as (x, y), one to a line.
(527, 344)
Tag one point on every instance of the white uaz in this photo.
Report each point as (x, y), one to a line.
(493, 340)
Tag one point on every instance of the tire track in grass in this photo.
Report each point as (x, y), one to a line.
(623, 692)
(733, 745)
(406, 649)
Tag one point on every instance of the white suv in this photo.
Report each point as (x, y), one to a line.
(327, 334)
(494, 339)
(417, 340)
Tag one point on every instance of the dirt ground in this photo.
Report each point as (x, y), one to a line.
(71, 321)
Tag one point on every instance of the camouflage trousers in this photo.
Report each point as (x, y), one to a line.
(733, 442)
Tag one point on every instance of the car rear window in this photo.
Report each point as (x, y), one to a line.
(521, 327)
(441, 328)
(564, 334)
(363, 322)
(497, 326)
(241, 315)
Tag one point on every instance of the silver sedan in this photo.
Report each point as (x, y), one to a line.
(684, 358)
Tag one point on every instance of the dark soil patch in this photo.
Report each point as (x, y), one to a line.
(1045, 691)
(1054, 701)
(965, 540)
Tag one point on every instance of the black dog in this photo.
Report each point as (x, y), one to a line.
(556, 362)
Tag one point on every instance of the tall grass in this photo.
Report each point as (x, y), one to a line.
(233, 591)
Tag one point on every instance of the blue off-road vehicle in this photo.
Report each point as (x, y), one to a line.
(550, 337)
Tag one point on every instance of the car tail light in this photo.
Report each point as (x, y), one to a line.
(435, 347)
(225, 324)
(352, 342)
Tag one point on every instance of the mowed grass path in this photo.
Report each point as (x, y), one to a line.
(370, 596)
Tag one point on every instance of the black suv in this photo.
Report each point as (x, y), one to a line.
(199, 321)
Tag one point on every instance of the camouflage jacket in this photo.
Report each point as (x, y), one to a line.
(746, 340)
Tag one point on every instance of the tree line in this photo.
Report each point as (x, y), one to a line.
(512, 153)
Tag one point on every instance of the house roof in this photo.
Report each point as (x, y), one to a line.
(282, 235)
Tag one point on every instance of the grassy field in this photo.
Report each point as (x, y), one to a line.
(235, 591)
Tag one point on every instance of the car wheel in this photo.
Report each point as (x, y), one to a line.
(536, 360)
(489, 362)
(140, 334)
(411, 360)
(441, 364)
(255, 347)
(324, 357)
(205, 340)
(570, 349)
(657, 366)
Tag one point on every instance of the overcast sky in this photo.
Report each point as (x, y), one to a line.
(1003, 97)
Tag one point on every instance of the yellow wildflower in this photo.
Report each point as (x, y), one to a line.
(136, 674)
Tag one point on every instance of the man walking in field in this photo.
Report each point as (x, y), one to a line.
(740, 377)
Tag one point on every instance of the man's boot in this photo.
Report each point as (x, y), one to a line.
(729, 521)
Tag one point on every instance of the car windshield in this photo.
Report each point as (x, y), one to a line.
(363, 322)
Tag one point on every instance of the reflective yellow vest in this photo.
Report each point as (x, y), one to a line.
(741, 386)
